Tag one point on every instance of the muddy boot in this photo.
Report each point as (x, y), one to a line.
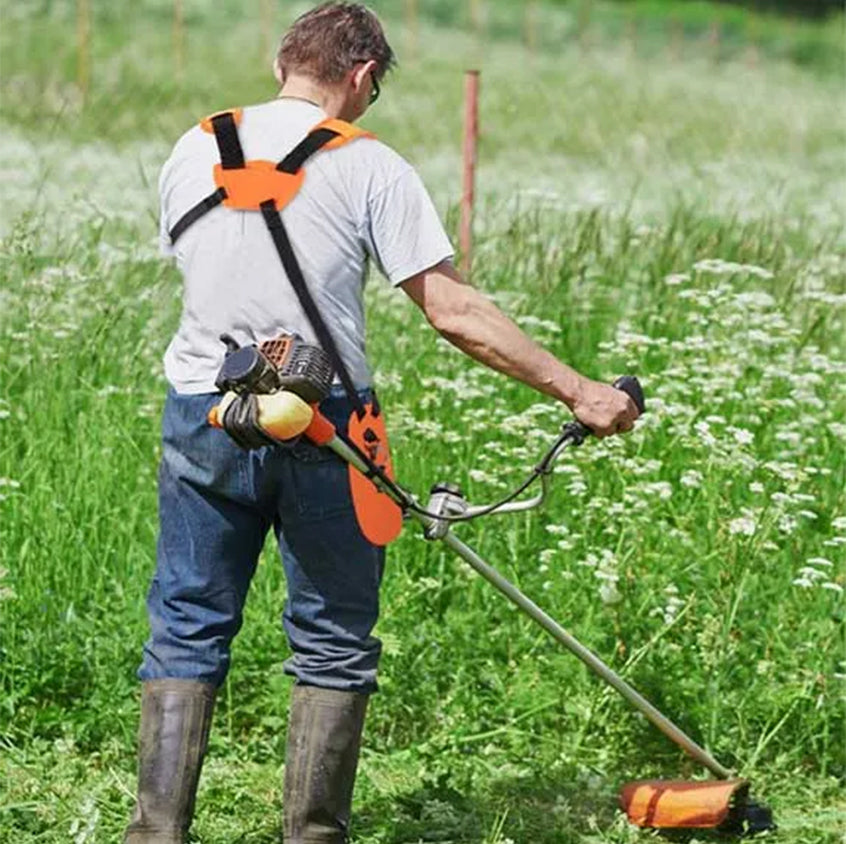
(324, 736)
(175, 720)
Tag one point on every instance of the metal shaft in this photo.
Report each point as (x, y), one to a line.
(587, 657)
(531, 609)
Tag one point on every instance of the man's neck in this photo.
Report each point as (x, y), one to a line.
(303, 88)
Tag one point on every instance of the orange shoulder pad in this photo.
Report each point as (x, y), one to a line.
(206, 122)
(346, 132)
(256, 182)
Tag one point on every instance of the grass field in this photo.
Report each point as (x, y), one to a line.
(664, 215)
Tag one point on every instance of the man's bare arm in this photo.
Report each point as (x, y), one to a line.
(476, 326)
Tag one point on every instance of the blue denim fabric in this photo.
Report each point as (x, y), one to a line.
(216, 504)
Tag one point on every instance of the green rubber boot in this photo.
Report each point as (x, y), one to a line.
(175, 720)
(324, 737)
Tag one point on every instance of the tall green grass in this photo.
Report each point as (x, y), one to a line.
(636, 217)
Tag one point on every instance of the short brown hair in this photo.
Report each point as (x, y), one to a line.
(331, 39)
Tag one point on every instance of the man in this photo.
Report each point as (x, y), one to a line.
(217, 501)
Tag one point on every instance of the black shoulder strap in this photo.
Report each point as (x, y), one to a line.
(305, 149)
(292, 268)
(193, 214)
(228, 142)
(231, 158)
(292, 162)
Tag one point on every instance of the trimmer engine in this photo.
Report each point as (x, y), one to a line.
(284, 363)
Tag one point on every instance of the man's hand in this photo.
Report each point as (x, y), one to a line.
(605, 410)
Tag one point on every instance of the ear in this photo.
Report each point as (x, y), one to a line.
(277, 71)
(360, 73)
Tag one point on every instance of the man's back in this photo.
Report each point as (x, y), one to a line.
(356, 201)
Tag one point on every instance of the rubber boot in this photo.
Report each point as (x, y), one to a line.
(324, 737)
(175, 720)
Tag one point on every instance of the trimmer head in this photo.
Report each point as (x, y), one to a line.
(723, 805)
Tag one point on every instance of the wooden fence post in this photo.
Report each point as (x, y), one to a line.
(411, 26)
(83, 46)
(178, 38)
(471, 134)
(631, 32)
(266, 27)
(585, 14)
(676, 38)
(476, 16)
(752, 55)
(714, 37)
(531, 26)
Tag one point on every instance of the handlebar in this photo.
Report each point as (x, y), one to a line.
(628, 384)
(572, 434)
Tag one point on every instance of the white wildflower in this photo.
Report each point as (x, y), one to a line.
(745, 526)
(691, 479)
(6, 592)
(609, 594)
(787, 523)
(481, 476)
(717, 266)
(577, 487)
(703, 430)
(742, 436)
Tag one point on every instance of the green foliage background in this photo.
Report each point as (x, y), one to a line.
(664, 207)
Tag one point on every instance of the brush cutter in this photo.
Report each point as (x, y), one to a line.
(723, 804)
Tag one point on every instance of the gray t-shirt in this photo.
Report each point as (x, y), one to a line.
(358, 201)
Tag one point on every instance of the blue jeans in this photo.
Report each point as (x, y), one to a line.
(216, 504)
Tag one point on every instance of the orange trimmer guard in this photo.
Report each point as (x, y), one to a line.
(681, 804)
(378, 515)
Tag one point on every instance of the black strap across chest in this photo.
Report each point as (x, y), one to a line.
(232, 158)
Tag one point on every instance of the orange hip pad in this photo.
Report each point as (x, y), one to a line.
(256, 182)
(378, 515)
(681, 804)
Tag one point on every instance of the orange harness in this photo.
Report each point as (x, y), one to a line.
(268, 186)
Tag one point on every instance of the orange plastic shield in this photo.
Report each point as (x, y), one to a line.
(378, 515)
(680, 804)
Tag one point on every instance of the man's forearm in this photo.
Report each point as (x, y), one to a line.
(478, 328)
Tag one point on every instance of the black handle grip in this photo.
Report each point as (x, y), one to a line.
(577, 432)
(629, 384)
